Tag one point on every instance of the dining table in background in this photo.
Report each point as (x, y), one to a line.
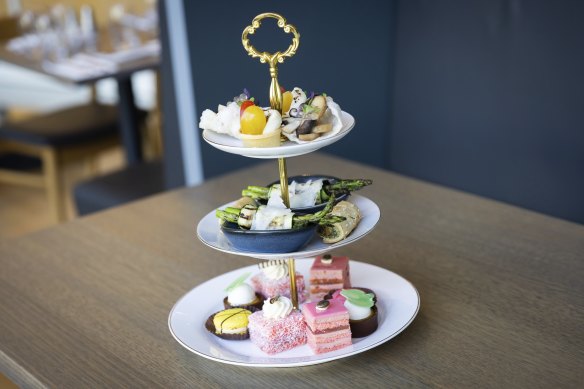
(86, 303)
(122, 73)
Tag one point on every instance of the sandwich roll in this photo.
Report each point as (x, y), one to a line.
(339, 231)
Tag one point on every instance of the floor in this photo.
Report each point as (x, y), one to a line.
(24, 210)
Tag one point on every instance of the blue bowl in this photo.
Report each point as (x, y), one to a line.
(268, 241)
(305, 178)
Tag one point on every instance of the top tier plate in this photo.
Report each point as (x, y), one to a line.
(233, 145)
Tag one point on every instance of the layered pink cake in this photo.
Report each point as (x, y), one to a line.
(277, 327)
(275, 281)
(327, 324)
(328, 273)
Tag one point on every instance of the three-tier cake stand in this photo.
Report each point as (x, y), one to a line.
(398, 299)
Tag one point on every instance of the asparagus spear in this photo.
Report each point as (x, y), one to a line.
(340, 186)
(243, 217)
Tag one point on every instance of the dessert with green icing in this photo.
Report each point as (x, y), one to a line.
(242, 295)
(362, 311)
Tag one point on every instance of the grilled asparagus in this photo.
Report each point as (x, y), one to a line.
(244, 216)
(338, 187)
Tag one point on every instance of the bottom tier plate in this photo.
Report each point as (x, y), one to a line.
(398, 303)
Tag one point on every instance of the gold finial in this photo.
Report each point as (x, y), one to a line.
(271, 59)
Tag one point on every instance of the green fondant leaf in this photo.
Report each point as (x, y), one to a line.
(358, 297)
(239, 280)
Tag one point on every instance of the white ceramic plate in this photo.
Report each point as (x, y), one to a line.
(210, 234)
(398, 303)
(287, 149)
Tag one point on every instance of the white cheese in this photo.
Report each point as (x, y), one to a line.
(272, 218)
(300, 194)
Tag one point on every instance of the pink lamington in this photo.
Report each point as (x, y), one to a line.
(280, 287)
(327, 330)
(328, 276)
(276, 335)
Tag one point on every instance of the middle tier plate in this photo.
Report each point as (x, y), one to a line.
(209, 232)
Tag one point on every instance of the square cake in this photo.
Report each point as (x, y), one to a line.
(328, 273)
(273, 280)
(327, 323)
(277, 327)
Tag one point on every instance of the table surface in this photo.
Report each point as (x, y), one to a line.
(85, 304)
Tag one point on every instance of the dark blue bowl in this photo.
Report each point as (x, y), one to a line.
(268, 241)
(304, 178)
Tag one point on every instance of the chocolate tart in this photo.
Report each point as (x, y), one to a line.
(364, 327)
(210, 326)
(250, 307)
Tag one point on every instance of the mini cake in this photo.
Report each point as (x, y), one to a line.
(328, 273)
(362, 311)
(230, 324)
(327, 323)
(273, 280)
(242, 295)
(336, 293)
(277, 327)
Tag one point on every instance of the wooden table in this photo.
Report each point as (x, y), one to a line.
(85, 304)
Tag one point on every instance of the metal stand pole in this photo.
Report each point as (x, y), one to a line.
(276, 103)
(286, 199)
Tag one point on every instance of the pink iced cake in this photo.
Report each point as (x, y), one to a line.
(273, 280)
(277, 327)
(328, 273)
(327, 323)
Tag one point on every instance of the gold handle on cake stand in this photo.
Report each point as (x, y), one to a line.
(276, 103)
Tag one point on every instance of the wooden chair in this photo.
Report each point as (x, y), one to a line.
(71, 134)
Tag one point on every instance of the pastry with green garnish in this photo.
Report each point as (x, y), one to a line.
(241, 295)
(362, 310)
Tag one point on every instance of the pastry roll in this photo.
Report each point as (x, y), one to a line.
(339, 231)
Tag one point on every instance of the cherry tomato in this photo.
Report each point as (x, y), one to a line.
(244, 105)
(253, 121)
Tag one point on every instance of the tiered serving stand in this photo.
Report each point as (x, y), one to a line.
(398, 300)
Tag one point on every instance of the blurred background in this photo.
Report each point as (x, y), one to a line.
(100, 100)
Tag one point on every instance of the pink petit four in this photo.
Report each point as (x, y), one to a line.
(273, 280)
(277, 327)
(327, 324)
(328, 273)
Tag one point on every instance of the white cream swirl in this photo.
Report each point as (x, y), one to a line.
(277, 308)
(275, 272)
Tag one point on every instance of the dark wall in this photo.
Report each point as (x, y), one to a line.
(489, 98)
(485, 96)
(344, 51)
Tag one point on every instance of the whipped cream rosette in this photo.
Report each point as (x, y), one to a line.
(275, 271)
(277, 307)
